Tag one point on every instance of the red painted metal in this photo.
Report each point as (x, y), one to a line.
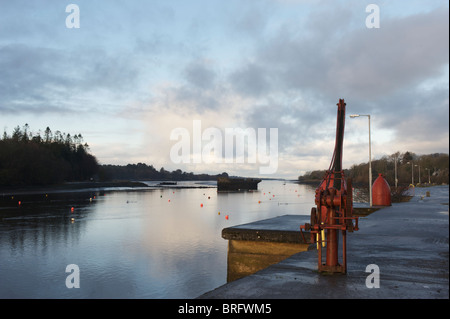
(334, 201)
(381, 192)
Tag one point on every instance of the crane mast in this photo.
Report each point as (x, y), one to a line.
(334, 207)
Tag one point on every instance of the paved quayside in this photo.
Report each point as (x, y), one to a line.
(407, 241)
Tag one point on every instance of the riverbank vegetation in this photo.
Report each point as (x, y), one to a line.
(144, 172)
(44, 158)
(411, 169)
(49, 157)
(53, 158)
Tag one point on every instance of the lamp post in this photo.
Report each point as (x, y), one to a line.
(419, 172)
(412, 172)
(370, 157)
(395, 170)
(429, 179)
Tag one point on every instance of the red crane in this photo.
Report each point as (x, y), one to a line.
(334, 200)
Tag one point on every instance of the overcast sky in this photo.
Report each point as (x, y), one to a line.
(136, 70)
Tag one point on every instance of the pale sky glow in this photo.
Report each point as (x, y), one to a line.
(136, 70)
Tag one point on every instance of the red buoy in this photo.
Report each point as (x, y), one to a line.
(381, 192)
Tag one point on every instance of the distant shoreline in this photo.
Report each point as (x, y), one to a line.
(98, 186)
(69, 187)
(91, 186)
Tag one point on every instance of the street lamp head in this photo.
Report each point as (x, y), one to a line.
(354, 115)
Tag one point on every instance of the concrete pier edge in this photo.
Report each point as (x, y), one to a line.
(407, 242)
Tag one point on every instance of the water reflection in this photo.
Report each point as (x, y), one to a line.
(151, 243)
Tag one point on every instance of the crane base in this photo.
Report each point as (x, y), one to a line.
(332, 269)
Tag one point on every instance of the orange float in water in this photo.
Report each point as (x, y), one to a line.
(381, 192)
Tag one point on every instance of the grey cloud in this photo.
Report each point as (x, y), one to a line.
(296, 120)
(49, 80)
(108, 72)
(365, 63)
(29, 75)
(251, 80)
(376, 71)
(400, 54)
(251, 22)
(189, 100)
(417, 115)
(200, 75)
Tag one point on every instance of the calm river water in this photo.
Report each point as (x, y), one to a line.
(145, 243)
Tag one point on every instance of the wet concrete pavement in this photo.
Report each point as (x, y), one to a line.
(408, 242)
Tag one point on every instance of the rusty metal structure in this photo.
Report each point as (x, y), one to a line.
(334, 211)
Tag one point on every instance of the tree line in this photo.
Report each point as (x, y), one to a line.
(408, 167)
(142, 172)
(44, 158)
(49, 158)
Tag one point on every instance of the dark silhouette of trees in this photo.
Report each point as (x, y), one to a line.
(28, 159)
(144, 172)
(433, 168)
(50, 158)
